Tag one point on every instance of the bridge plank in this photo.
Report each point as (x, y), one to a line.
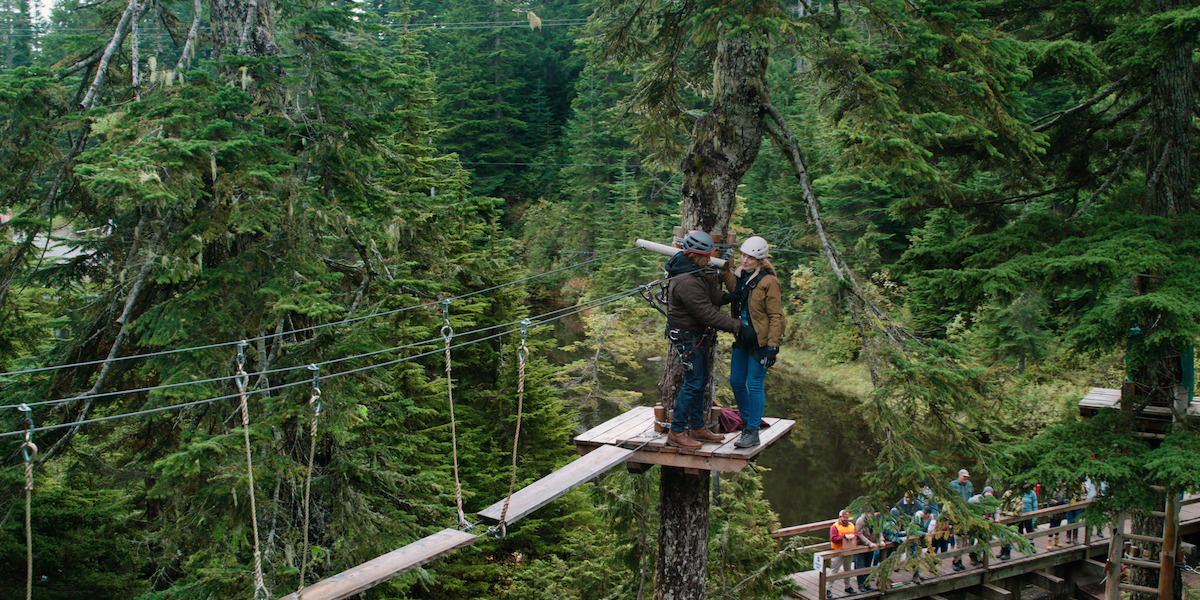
(554, 485)
(378, 570)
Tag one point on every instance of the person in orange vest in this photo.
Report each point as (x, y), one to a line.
(844, 536)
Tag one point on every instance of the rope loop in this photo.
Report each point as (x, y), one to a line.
(29, 451)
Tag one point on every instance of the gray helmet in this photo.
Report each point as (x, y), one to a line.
(698, 242)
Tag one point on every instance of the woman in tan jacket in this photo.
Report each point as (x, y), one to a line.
(759, 305)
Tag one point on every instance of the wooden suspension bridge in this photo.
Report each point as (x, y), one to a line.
(629, 438)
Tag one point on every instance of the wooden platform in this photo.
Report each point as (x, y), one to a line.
(1106, 398)
(376, 571)
(554, 485)
(634, 430)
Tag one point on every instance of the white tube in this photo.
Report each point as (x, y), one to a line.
(666, 250)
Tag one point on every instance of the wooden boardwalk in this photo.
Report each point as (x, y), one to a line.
(985, 579)
(634, 430)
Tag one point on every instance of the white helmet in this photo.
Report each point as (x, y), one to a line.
(756, 247)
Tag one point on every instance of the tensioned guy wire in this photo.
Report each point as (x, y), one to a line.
(576, 310)
(544, 316)
(314, 327)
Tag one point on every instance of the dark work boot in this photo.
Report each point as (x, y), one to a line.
(749, 439)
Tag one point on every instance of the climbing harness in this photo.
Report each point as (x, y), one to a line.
(686, 343)
(522, 355)
(314, 402)
(243, 379)
(447, 335)
(28, 452)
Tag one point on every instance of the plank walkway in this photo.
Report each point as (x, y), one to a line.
(634, 430)
(528, 499)
(378, 570)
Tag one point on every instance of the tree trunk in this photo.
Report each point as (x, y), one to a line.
(725, 143)
(1168, 188)
(243, 27)
(726, 140)
(682, 535)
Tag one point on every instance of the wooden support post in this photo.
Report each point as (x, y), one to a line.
(1116, 551)
(1170, 547)
(682, 535)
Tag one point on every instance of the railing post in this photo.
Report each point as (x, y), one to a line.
(1116, 549)
(822, 585)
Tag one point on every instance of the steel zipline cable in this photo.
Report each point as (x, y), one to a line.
(314, 327)
(515, 327)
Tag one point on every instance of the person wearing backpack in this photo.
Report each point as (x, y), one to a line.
(758, 304)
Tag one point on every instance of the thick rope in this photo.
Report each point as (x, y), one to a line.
(29, 452)
(522, 354)
(314, 402)
(260, 587)
(447, 334)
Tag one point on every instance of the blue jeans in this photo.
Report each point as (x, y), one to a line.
(689, 404)
(746, 376)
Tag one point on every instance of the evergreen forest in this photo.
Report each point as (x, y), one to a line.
(287, 285)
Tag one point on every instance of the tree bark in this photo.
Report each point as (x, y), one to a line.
(683, 535)
(726, 140)
(1168, 185)
(243, 27)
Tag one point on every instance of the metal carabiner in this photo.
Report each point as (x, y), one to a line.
(315, 400)
(447, 330)
(28, 448)
(523, 351)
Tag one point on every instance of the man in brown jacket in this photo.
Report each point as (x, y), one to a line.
(692, 315)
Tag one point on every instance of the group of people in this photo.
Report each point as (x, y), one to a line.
(695, 294)
(917, 524)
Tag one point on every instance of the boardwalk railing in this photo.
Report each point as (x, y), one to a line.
(823, 557)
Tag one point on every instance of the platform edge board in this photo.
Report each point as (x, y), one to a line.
(378, 570)
(554, 485)
(690, 460)
(599, 433)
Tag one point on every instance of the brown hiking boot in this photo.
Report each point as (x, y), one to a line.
(704, 435)
(681, 440)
